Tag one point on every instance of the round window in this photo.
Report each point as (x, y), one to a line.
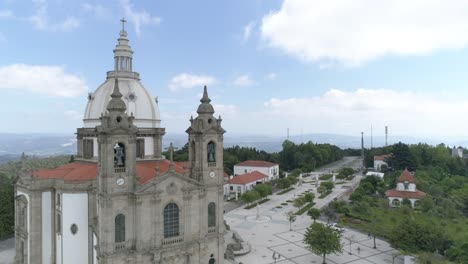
(74, 229)
(131, 97)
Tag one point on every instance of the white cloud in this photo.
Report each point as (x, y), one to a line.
(188, 81)
(41, 19)
(97, 10)
(243, 80)
(138, 18)
(344, 112)
(271, 76)
(355, 32)
(248, 30)
(41, 79)
(225, 110)
(5, 13)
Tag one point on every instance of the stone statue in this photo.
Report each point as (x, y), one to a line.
(119, 155)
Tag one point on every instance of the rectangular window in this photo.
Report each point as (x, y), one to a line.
(231, 188)
(140, 148)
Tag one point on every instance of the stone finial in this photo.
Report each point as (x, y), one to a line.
(116, 103)
(205, 107)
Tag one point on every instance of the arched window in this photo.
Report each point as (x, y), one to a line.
(211, 214)
(171, 220)
(119, 155)
(120, 228)
(211, 152)
(396, 202)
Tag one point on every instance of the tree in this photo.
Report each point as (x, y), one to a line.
(414, 236)
(406, 201)
(401, 157)
(251, 196)
(329, 213)
(299, 201)
(328, 185)
(323, 239)
(263, 190)
(309, 197)
(314, 213)
(291, 218)
(284, 183)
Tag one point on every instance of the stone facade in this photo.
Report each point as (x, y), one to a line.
(115, 207)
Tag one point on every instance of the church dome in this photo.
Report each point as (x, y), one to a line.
(138, 100)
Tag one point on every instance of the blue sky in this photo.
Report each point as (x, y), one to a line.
(312, 66)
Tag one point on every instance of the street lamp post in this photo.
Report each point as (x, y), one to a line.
(276, 256)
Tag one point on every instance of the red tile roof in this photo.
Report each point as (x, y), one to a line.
(381, 157)
(256, 163)
(406, 176)
(84, 171)
(247, 178)
(405, 194)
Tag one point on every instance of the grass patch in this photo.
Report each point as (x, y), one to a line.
(284, 203)
(285, 191)
(255, 203)
(325, 194)
(289, 201)
(325, 177)
(305, 208)
(279, 207)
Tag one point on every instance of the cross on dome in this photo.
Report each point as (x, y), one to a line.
(123, 23)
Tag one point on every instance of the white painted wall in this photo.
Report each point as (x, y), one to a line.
(46, 227)
(75, 211)
(29, 224)
(268, 171)
(411, 187)
(378, 164)
(149, 146)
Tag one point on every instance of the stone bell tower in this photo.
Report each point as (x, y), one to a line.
(206, 144)
(116, 180)
(206, 166)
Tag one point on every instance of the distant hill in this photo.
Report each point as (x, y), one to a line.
(12, 145)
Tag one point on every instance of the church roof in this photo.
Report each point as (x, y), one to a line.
(85, 171)
(256, 163)
(405, 194)
(406, 176)
(247, 178)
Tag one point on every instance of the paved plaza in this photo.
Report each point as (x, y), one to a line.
(273, 235)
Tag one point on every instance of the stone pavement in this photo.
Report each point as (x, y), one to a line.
(7, 251)
(273, 234)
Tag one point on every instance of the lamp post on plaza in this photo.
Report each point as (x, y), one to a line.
(276, 256)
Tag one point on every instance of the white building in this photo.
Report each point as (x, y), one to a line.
(457, 152)
(271, 170)
(406, 189)
(379, 161)
(246, 182)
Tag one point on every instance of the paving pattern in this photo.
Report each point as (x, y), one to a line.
(275, 235)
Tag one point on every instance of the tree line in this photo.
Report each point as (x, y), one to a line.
(303, 157)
